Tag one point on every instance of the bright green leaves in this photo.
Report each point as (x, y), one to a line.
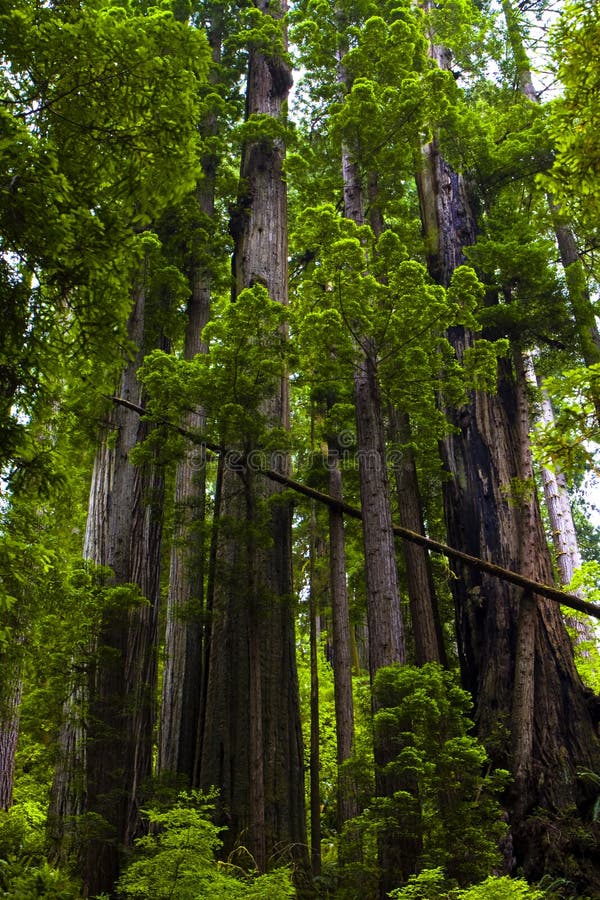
(423, 715)
(393, 93)
(516, 263)
(433, 884)
(102, 133)
(459, 27)
(261, 32)
(177, 860)
(358, 291)
(248, 355)
(570, 442)
(575, 176)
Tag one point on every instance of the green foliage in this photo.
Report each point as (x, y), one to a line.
(25, 873)
(569, 442)
(574, 178)
(259, 31)
(432, 884)
(362, 295)
(176, 860)
(422, 715)
(247, 355)
(101, 104)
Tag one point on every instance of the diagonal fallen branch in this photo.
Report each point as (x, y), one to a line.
(481, 565)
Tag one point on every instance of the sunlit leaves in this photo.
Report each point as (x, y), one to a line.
(575, 176)
(248, 354)
(570, 442)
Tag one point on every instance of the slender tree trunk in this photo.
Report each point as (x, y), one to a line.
(386, 635)
(252, 745)
(181, 690)
(579, 295)
(12, 690)
(425, 618)
(315, 730)
(67, 797)
(347, 801)
(398, 849)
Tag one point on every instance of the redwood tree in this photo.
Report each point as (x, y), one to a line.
(251, 742)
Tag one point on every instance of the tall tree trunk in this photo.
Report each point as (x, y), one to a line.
(316, 544)
(515, 655)
(123, 533)
(182, 679)
(252, 744)
(424, 612)
(10, 703)
(347, 804)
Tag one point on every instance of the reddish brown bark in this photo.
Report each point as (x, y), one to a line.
(252, 747)
(123, 533)
(516, 658)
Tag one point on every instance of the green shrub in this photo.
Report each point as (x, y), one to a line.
(432, 884)
(177, 860)
(24, 872)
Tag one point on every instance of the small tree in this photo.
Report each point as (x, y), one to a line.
(422, 714)
(176, 861)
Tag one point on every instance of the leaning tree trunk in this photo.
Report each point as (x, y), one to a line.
(123, 533)
(515, 654)
(252, 744)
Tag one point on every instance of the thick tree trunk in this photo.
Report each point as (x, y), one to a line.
(123, 532)
(252, 745)
(516, 659)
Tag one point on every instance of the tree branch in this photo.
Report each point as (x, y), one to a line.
(481, 565)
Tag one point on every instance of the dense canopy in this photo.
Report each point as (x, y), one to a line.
(299, 413)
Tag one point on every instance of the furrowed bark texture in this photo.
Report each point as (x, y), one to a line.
(516, 659)
(10, 702)
(252, 745)
(342, 648)
(67, 795)
(123, 532)
(425, 620)
(183, 671)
